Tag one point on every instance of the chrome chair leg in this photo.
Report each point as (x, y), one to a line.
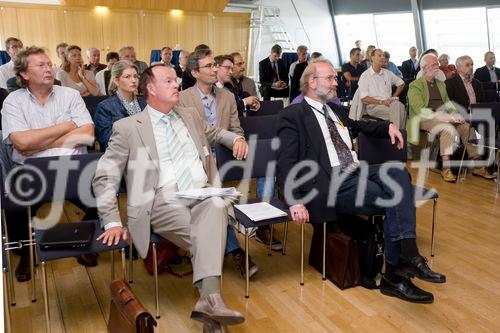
(6, 306)
(130, 264)
(155, 272)
(112, 262)
(271, 231)
(302, 254)
(11, 295)
(247, 265)
(434, 208)
(45, 298)
(32, 259)
(324, 251)
(285, 236)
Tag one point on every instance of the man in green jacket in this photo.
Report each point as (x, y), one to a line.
(432, 111)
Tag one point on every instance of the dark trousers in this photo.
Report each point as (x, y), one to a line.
(267, 92)
(400, 215)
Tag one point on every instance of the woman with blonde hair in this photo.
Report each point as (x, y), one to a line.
(367, 61)
(122, 103)
(74, 76)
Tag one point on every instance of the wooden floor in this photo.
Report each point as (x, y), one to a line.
(467, 251)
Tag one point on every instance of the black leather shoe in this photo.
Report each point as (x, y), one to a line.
(417, 267)
(405, 290)
(23, 272)
(87, 260)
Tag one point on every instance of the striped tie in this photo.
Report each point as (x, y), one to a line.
(182, 169)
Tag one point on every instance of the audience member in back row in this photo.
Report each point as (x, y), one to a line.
(273, 75)
(103, 78)
(409, 67)
(488, 73)
(166, 54)
(321, 133)
(300, 65)
(367, 61)
(122, 103)
(42, 119)
(224, 71)
(128, 53)
(448, 69)
(463, 88)
(389, 65)
(353, 69)
(182, 65)
(61, 54)
(431, 110)
(302, 57)
(375, 89)
(94, 57)
(74, 76)
(243, 85)
(12, 46)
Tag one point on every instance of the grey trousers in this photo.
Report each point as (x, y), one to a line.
(395, 113)
(198, 227)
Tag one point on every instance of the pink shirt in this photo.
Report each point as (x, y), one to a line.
(470, 90)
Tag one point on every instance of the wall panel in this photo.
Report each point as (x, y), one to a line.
(83, 27)
(8, 24)
(159, 29)
(230, 34)
(120, 29)
(193, 30)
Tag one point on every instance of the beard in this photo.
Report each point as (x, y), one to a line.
(325, 93)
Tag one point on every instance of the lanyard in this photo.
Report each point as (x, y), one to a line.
(324, 115)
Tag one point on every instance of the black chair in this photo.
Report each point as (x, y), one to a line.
(64, 178)
(91, 103)
(268, 108)
(261, 154)
(380, 150)
(264, 126)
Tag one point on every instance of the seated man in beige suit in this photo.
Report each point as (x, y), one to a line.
(160, 151)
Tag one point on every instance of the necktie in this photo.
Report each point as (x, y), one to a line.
(182, 170)
(275, 72)
(343, 152)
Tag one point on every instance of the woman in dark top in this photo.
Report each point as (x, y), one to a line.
(123, 103)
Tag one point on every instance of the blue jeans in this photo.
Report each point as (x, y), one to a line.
(232, 242)
(265, 188)
(400, 219)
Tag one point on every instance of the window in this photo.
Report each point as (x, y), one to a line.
(458, 32)
(350, 28)
(494, 29)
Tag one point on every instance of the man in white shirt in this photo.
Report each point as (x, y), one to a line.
(12, 46)
(375, 88)
(302, 54)
(102, 78)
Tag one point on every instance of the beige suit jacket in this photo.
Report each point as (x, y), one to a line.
(132, 154)
(227, 112)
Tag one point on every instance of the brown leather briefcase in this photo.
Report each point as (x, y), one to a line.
(127, 314)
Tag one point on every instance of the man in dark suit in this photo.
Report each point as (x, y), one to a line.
(488, 73)
(409, 67)
(320, 175)
(463, 88)
(273, 75)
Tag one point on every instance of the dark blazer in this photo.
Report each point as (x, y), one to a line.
(408, 71)
(302, 140)
(109, 111)
(482, 74)
(240, 105)
(295, 80)
(456, 91)
(266, 72)
(178, 71)
(187, 80)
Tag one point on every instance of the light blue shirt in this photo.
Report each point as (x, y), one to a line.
(393, 68)
(210, 106)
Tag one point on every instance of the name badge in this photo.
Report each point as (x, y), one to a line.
(205, 151)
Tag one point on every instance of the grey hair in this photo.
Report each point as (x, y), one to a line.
(460, 60)
(443, 56)
(117, 71)
(301, 48)
(423, 61)
(309, 71)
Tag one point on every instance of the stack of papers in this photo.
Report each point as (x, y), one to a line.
(207, 192)
(260, 211)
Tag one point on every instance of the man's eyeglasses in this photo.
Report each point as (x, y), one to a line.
(42, 65)
(228, 68)
(239, 63)
(330, 78)
(210, 65)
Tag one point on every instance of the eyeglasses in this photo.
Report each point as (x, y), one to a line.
(330, 78)
(228, 68)
(43, 65)
(210, 66)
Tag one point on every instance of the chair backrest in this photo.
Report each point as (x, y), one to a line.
(494, 107)
(60, 177)
(91, 103)
(264, 127)
(380, 150)
(268, 108)
(261, 153)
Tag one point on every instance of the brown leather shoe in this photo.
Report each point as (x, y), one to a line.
(448, 176)
(23, 272)
(87, 260)
(263, 235)
(239, 260)
(212, 307)
(483, 172)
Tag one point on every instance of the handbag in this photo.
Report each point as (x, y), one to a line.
(166, 251)
(127, 314)
(342, 258)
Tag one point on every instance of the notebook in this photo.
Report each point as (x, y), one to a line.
(67, 236)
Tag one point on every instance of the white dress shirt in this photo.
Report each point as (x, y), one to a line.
(6, 72)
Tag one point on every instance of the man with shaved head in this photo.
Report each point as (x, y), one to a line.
(94, 56)
(316, 157)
